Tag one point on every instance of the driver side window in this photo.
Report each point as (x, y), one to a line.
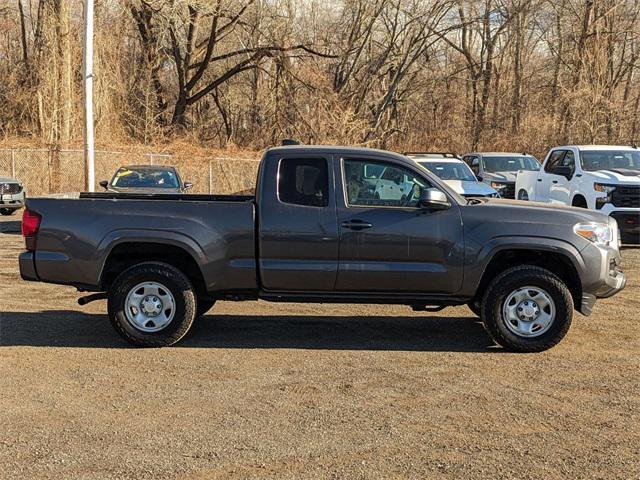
(396, 187)
(474, 164)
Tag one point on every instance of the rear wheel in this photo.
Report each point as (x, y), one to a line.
(527, 309)
(152, 304)
(7, 211)
(523, 195)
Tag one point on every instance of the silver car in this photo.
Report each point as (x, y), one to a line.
(455, 173)
(11, 195)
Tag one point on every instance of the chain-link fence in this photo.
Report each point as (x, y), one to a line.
(44, 171)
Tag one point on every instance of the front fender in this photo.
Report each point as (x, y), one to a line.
(478, 260)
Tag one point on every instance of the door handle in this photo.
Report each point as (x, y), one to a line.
(539, 179)
(356, 225)
(554, 181)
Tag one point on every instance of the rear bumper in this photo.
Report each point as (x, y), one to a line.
(28, 267)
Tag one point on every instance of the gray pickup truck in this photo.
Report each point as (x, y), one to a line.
(318, 230)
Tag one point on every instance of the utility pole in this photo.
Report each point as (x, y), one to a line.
(89, 158)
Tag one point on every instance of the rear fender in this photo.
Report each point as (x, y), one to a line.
(117, 237)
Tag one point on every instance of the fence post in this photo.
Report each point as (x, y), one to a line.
(210, 177)
(151, 159)
(13, 163)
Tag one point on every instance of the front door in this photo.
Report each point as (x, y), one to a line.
(388, 243)
(560, 187)
(546, 180)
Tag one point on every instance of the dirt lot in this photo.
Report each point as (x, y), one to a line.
(306, 391)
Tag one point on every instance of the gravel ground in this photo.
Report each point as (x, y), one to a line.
(261, 390)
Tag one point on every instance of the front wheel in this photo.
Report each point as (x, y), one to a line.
(152, 304)
(527, 309)
(7, 211)
(523, 195)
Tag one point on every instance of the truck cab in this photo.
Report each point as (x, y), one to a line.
(605, 178)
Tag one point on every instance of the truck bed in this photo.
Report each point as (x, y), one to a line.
(77, 235)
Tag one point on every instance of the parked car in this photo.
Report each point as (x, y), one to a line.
(12, 195)
(455, 173)
(599, 177)
(499, 169)
(314, 233)
(146, 179)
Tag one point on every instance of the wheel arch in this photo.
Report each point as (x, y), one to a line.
(127, 251)
(557, 259)
(579, 200)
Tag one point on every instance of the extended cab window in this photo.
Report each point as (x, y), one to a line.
(304, 181)
(396, 187)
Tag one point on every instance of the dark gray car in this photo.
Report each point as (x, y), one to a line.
(319, 231)
(146, 179)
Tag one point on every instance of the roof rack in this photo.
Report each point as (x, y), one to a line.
(444, 154)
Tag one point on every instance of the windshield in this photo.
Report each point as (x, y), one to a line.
(610, 160)
(450, 170)
(505, 163)
(127, 177)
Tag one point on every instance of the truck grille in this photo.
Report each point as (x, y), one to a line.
(10, 188)
(509, 191)
(629, 225)
(626, 196)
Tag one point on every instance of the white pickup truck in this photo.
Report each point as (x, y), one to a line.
(598, 177)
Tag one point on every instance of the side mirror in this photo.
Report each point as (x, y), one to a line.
(433, 199)
(188, 185)
(479, 177)
(104, 184)
(563, 171)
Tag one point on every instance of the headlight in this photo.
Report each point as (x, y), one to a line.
(603, 187)
(606, 189)
(498, 185)
(598, 233)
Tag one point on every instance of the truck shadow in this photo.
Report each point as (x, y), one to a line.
(11, 227)
(411, 333)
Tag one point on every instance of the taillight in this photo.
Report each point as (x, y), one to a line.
(30, 225)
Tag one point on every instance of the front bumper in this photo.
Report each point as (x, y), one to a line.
(602, 277)
(12, 201)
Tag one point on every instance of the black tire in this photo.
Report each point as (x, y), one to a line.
(508, 281)
(523, 195)
(204, 306)
(178, 285)
(7, 211)
(580, 202)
